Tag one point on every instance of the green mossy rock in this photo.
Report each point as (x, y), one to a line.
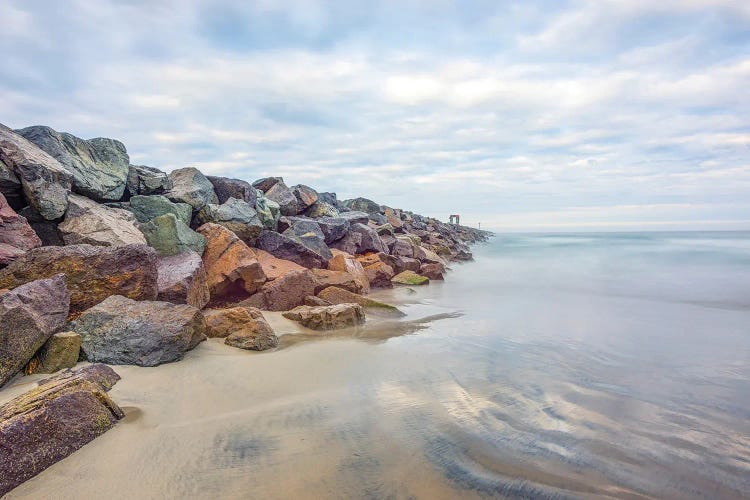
(410, 278)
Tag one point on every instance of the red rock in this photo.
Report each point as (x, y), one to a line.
(16, 235)
(182, 280)
(432, 270)
(345, 262)
(231, 266)
(285, 292)
(341, 279)
(274, 267)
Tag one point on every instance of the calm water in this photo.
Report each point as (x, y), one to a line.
(555, 366)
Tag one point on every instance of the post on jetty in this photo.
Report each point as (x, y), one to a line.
(454, 219)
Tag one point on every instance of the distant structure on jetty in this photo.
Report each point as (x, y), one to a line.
(455, 219)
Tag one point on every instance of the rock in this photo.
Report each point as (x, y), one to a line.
(99, 166)
(191, 187)
(92, 273)
(327, 317)
(330, 198)
(29, 315)
(122, 331)
(143, 180)
(267, 183)
(46, 184)
(268, 211)
(182, 280)
(337, 295)
(393, 216)
(402, 247)
(285, 292)
(46, 230)
(48, 423)
(60, 351)
(308, 233)
(432, 270)
(87, 222)
(236, 215)
(349, 244)
(321, 209)
(241, 328)
(385, 229)
(362, 205)
(146, 208)
(355, 217)
(231, 266)
(341, 279)
(226, 188)
(10, 187)
(282, 195)
(273, 267)
(312, 300)
(16, 235)
(378, 219)
(333, 228)
(347, 263)
(427, 255)
(378, 272)
(306, 197)
(410, 278)
(293, 248)
(370, 241)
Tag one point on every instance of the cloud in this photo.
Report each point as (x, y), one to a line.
(511, 111)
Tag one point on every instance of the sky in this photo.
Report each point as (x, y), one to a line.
(521, 115)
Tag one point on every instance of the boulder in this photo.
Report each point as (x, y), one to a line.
(268, 211)
(10, 187)
(143, 180)
(99, 166)
(347, 263)
(16, 235)
(410, 278)
(355, 217)
(267, 183)
(46, 184)
(122, 331)
(337, 295)
(306, 197)
(427, 255)
(29, 315)
(402, 247)
(226, 188)
(182, 280)
(231, 266)
(361, 239)
(92, 273)
(378, 272)
(46, 230)
(295, 248)
(146, 208)
(51, 421)
(321, 209)
(241, 327)
(190, 186)
(285, 292)
(282, 195)
(432, 270)
(362, 205)
(274, 267)
(312, 300)
(329, 198)
(393, 216)
(87, 222)
(327, 317)
(60, 351)
(333, 228)
(168, 235)
(309, 233)
(236, 215)
(341, 279)
(349, 244)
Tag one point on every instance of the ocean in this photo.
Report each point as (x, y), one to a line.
(553, 366)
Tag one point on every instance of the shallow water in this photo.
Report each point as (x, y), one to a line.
(555, 366)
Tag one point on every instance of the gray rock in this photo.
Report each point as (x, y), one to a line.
(334, 228)
(267, 183)
(99, 166)
(10, 187)
(146, 208)
(191, 187)
(236, 215)
(321, 209)
(362, 205)
(306, 196)
(46, 184)
(143, 180)
(122, 331)
(291, 248)
(329, 198)
(378, 219)
(46, 230)
(168, 235)
(226, 188)
(371, 242)
(309, 233)
(29, 315)
(355, 217)
(268, 211)
(182, 280)
(282, 195)
(87, 222)
(60, 351)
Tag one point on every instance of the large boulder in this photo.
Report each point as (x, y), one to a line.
(410, 278)
(370, 241)
(146, 208)
(16, 235)
(355, 217)
(51, 421)
(92, 273)
(267, 183)
(336, 295)
(327, 317)
(274, 267)
(432, 270)
(122, 331)
(291, 248)
(285, 292)
(46, 184)
(182, 280)
(29, 315)
(347, 263)
(226, 188)
(306, 196)
(308, 233)
(231, 266)
(321, 209)
(143, 180)
(362, 205)
(268, 211)
(236, 215)
(168, 235)
(241, 327)
(87, 222)
(284, 196)
(378, 272)
(333, 228)
(99, 166)
(341, 279)
(190, 186)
